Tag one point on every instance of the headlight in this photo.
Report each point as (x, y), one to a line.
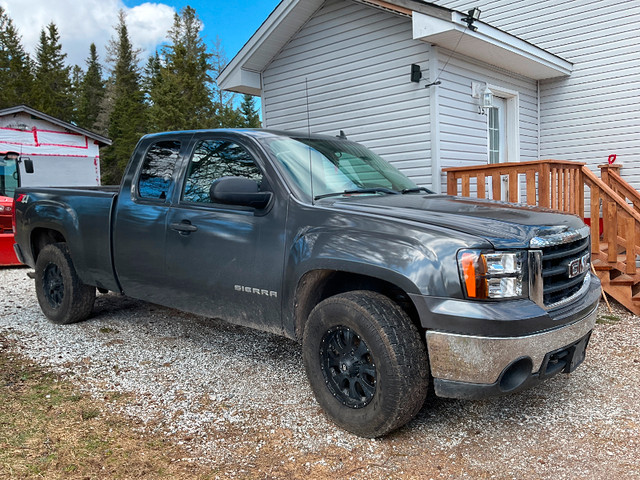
(492, 275)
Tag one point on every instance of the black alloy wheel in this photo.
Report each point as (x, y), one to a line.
(53, 285)
(348, 367)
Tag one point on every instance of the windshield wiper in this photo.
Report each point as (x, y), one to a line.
(357, 190)
(416, 190)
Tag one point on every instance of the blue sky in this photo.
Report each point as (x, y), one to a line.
(234, 21)
(81, 22)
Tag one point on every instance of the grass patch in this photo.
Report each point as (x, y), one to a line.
(49, 430)
(608, 319)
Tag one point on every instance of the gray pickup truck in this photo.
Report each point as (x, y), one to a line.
(390, 288)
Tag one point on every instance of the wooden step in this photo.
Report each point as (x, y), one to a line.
(623, 279)
(602, 265)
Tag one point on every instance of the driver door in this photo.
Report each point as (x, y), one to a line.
(226, 261)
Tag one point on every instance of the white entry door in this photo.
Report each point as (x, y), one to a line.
(498, 131)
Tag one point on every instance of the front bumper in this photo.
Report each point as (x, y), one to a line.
(468, 366)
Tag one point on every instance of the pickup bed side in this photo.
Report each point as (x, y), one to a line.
(79, 216)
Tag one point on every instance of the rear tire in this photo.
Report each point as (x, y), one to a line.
(366, 362)
(63, 298)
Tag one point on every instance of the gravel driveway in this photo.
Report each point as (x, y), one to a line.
(238, 399)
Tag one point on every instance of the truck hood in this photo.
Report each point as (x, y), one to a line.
(504, 225)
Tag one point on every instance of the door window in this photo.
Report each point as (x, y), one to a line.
(156, 176)
(497, 131)
(214, 159)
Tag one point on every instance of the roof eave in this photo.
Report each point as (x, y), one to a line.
(56, 121)
(431, 23)
(243, 73)
(490, 45)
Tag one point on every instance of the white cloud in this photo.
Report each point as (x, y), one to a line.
(82, 22)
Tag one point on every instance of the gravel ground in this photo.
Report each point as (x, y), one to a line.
(238, 399)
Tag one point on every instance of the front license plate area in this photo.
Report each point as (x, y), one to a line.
(565, 359)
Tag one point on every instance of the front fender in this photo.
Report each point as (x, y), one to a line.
(420, 264)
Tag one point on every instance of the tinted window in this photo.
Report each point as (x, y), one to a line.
(157, 170)
(213, 159)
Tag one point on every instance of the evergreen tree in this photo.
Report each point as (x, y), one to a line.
(15, 66)
(151, 79)
(77, 76)
(124, 104)
(179, 84)
(91, 93)
(249, 112)
(52, 84)
(225, 115)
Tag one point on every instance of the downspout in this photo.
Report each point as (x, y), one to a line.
(538, 113)
(434, 121)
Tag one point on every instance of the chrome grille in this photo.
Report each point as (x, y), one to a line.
(564, 269)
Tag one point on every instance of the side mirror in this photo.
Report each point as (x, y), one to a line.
(238, 191)
(28, 165)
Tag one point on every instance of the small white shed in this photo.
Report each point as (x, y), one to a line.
(62, 154)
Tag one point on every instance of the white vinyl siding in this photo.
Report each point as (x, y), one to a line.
(351, 65)
(595, 111)
(464, 131)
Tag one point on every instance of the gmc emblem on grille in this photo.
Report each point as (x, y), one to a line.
(578, 266)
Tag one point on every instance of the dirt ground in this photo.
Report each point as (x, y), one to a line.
(237, 402)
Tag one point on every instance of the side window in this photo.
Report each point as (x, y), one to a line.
(157, 170)
(213, 159)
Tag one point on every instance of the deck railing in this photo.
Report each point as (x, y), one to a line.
(612, 204)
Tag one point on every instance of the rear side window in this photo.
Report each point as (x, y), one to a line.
(156, 176)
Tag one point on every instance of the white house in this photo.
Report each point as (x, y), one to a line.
(62, 154)
(565, 79)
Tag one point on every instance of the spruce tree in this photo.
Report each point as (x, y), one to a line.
(91, 93)
(52, 83)
(225, 115)
(16, 80)
(249, 112)
(77, 75)
(180, 82)
(124, 103)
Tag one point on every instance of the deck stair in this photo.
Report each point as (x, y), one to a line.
(611, 204)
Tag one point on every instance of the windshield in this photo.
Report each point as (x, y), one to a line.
(8, 177)
(339, 167)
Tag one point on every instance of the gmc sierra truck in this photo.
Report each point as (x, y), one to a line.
(390, 288)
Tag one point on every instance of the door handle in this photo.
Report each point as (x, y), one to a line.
(184, 227)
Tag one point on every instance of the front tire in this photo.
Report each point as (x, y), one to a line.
(63, 298)
(366, 362)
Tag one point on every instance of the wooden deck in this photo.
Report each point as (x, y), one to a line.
(613, 208)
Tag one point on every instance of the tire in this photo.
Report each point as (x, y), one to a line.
(366, 362)
(63, 298)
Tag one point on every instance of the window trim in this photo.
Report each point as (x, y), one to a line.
(512, 122)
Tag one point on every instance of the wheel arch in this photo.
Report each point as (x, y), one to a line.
(41, 237)
(317, 285)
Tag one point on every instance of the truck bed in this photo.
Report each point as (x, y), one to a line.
(84, 214)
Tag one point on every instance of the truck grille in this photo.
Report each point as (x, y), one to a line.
(564, 267)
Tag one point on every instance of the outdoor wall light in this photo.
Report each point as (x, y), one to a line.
(486, 100)
(472, 16)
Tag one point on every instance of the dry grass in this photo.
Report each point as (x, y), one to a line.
(49, 430)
